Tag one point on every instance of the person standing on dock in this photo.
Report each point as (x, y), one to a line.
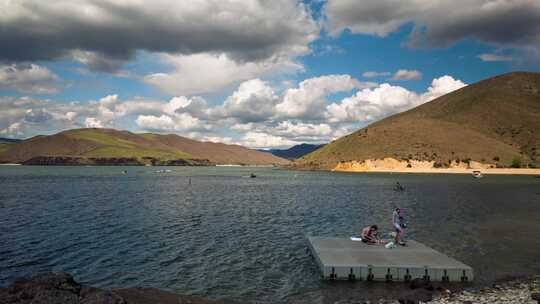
(399, 225)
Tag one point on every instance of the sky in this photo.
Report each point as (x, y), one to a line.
(263, 74)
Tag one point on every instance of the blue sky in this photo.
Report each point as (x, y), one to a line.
(253, 73)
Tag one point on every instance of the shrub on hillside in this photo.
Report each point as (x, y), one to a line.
(437, 165)
(516, 162)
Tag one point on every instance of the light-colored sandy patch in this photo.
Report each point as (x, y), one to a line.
(415, 166)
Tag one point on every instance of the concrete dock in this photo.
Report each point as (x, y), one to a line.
(343, 259)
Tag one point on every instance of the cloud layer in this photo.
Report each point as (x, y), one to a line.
(255, 114)
(28, 78)
(105, 33)
(504, 23)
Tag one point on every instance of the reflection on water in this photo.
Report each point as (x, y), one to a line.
(228, 236)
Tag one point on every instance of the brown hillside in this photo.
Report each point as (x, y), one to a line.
(493, 121)
(109, 143)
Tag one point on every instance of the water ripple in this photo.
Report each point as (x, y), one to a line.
(231, 237)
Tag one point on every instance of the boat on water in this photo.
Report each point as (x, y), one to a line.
(477, 174)
(252, 175)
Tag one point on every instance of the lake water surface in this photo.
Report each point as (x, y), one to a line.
(229, 236)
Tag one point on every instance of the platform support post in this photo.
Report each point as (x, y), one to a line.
(464, 277)
(407, 277)
(370, 276)
(333, 275)
(388, 276)
(445, 277)
(427, 278)
(352, 277)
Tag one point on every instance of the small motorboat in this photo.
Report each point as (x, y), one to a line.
(477, 174)
(252, 175)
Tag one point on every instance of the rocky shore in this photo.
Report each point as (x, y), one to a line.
(61, 288)
(517, 291)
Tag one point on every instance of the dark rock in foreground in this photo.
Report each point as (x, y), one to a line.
(61, 288)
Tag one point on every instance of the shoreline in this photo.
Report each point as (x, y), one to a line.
(61, 288)
(494, 171)
(392, 165)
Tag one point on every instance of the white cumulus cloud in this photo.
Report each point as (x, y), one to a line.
(203, 73)
(307, 101)
(260, 140)
(92, 122)
(371, 104)
(406, 75)
(254, 101)
(165, 123)
(30, 79)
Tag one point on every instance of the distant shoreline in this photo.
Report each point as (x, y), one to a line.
(494, 171)
(391, 165)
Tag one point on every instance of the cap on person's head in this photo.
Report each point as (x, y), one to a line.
(374, 227)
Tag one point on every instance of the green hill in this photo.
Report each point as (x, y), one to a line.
(108, 146)
(495, 121)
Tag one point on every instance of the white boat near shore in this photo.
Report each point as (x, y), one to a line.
(477, 174)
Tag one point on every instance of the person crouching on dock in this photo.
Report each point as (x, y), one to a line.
(369, 235)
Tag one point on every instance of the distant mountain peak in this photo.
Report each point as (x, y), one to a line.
(296, 151)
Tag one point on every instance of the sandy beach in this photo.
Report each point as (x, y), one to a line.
(449, 171)
(391, 165)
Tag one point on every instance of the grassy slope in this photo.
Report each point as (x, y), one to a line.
(496, 118)
(4, 147)
(109, 143)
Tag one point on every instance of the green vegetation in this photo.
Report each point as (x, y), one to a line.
(135, 153)
(516, 162)
(100, 137)
(4, 147)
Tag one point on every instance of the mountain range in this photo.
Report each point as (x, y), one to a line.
(294, 152)
(113, 147)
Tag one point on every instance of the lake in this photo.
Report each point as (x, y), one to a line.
(226, 235)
